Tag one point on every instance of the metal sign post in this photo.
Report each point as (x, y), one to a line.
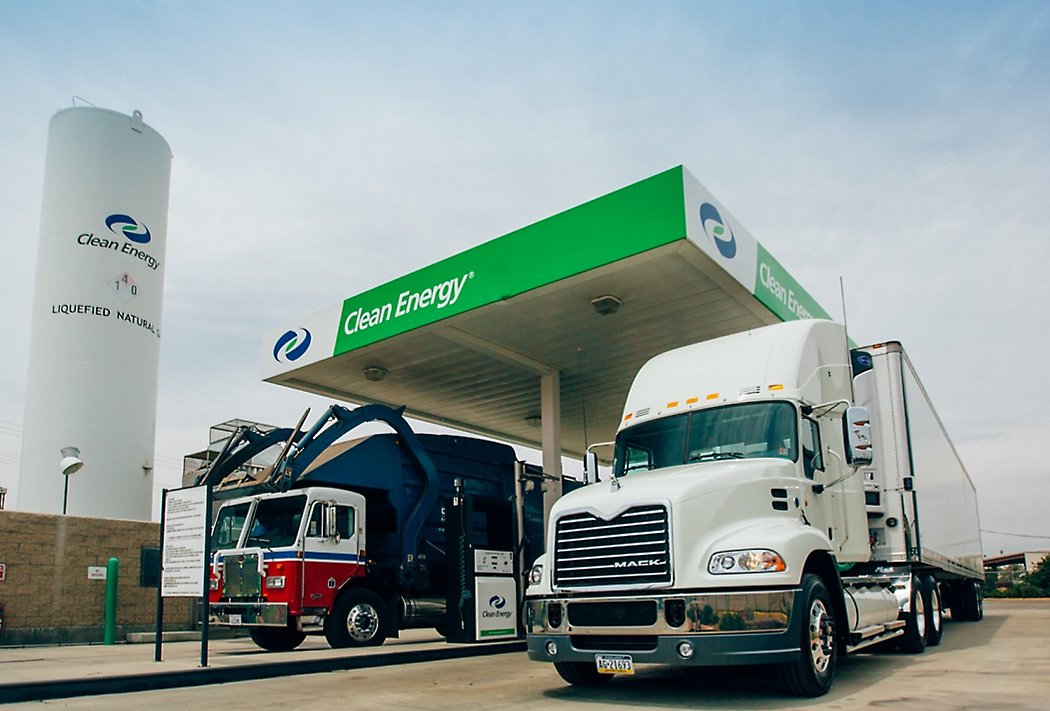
(185, 539)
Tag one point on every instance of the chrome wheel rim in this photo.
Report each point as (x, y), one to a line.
(362, 622)
(821, 636)
(919, 610)
(936, 613)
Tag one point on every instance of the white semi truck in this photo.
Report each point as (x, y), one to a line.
(775, 498)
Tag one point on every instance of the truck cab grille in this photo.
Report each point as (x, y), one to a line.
(632, 549)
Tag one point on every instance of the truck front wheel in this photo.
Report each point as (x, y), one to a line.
(581, 673)
(813, 672)
(277, 639)
(359, 619)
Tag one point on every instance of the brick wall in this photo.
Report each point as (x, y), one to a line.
(47, 597)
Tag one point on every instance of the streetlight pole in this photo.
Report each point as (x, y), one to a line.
(70, 464)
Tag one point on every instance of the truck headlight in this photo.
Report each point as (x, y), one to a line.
(275, 582)
(536, 574)
(756, 560)
(213, 583)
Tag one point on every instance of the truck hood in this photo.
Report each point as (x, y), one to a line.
(674, 485)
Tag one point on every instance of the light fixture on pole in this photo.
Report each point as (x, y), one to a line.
(70, 464)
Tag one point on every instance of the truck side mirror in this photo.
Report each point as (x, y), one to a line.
(858, 435)
(590, 467)
(330, 527)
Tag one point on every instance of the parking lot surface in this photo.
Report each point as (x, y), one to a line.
(1002, 662)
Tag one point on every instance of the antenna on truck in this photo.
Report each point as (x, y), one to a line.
(845, 335)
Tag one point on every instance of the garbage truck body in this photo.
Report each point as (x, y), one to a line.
(759, 513)
(350, 538)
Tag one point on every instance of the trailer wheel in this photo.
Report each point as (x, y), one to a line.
(359, 619)
(581, 673)
(914, 639)
(812, 673)
(972, 602)
(934, 611)
(277, 639)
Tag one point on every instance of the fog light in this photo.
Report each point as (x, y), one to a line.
(685, 650)
(552, 648)
(554, 615)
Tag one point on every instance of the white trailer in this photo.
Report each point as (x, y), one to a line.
(921, 503)
(747, 521)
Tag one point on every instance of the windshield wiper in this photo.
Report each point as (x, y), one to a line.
(716, 455)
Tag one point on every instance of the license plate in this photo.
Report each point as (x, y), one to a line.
(614, 663)
(235, 619)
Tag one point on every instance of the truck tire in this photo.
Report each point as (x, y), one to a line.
(581, 673)
(972, 602)
(913, 641)
(812, 673)
(359, 619)
(934, 611)
(277, 639)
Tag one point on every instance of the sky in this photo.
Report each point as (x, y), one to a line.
(323, 148)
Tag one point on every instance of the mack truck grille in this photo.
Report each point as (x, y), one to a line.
(631, 549)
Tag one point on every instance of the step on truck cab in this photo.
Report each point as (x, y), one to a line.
(735, 528)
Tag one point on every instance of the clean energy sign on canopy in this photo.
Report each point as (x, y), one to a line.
(666, 208)
(184, 554)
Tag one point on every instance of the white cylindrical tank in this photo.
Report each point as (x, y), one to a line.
(95, 329)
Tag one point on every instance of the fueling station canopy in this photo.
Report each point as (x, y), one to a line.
(534, 337)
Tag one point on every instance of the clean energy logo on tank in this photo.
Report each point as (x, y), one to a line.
(292, 345)
(498, 602)
(129, 227)
(717, 229)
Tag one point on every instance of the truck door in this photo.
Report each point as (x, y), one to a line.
(331, 552)
(818, 508)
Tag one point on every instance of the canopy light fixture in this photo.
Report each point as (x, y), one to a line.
(374, 373)
(605, 305)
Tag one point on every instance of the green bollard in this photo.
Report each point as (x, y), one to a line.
(112, 577)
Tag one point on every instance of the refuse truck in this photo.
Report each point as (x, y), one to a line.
(775, 498)
(359, 539)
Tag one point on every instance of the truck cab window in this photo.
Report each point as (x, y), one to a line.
(228, 526)
(276, 522)
(811, 450)
(745, 431)
(315, 526)
(344, 521)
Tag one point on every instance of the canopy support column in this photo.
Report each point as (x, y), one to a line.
(550, 413)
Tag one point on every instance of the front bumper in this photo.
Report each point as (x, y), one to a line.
(761, 627)
(249, 614)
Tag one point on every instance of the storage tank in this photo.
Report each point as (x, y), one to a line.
(96, 323)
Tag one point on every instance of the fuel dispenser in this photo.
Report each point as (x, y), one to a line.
(483, 590)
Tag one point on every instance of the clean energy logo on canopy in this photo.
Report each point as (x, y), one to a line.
(498, 602)
(129, 227)
(717, 230)
(292, 345)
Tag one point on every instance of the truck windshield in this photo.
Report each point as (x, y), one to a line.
(276, 521)
(751, 430)
(228, 526)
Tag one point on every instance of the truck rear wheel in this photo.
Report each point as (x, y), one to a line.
(972, 602)
(914, 639)
(934, 611)
(359, 619)
(277, 639)
(581, 673)
(812, 673)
